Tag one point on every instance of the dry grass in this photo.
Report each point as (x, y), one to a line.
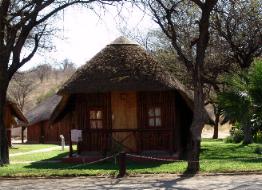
(49, 86)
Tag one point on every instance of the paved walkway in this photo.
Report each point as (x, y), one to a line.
(242, 182)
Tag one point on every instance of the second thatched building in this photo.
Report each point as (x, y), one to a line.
(39, 128)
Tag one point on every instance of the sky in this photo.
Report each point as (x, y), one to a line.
(83, 33)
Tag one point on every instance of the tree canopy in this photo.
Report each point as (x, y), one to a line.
(242, 100)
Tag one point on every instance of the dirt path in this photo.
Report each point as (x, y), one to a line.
(243, 182)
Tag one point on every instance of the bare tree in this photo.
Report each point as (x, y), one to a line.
(218, 62)
(20, 87)
(186, 24)
(239, 23)
(43, 71)
(66, 64)
(23, 24)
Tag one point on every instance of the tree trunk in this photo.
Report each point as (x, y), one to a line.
(248, 139)
(215, 134)
(196, 128)
(23, 134)
(4, 151)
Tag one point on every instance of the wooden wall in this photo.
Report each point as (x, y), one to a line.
(64, 127)
(124, 116)
(97, 140)
(8, 117)
(183, 122)
(51, 133)
(126, 121)
(43, 132)
(84, 102)
(34, 133)
(158, 138)
(9, 121)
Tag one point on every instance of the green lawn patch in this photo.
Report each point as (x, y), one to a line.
(50, 155)
(216, 156)
(18, 148)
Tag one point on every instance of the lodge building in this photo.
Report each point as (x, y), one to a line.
(123, 99)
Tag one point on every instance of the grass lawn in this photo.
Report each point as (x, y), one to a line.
(50, 155)
(17, 148)
(216, 156)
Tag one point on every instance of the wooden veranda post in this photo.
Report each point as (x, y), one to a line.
(70, 145)
(22, 134)
(121, 157)
(9, 136)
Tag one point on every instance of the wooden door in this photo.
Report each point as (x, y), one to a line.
(124, 120)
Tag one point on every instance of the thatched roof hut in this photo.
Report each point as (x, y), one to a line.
(43, 111)
(124, 96)
(11, 116)
(15, 112)
(122, 65)
(39, 128)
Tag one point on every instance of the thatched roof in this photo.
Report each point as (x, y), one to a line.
(43, 111)
(16, 112)
(121, 66)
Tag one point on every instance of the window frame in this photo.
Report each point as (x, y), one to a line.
(154, 117)
(96, 120)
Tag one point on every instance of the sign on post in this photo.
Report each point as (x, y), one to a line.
(62, 142)
(76, 135)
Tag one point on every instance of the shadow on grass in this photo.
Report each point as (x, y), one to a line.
(105, 165)
(57, 157)
(210, 153)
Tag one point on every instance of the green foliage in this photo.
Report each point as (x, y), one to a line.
(236, 136)
(242, 99)
(256, 94)
(258, 150)
(256, 82)
(258, 137)
(228, 139)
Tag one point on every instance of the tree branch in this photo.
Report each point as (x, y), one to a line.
(199, 3)
(3, 13)
(170, 32)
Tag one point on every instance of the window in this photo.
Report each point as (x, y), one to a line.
(96, 119)
(154, 117)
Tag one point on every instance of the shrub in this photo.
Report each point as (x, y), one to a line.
(258, 137)
(236, 136)
(228, 139)
(258, 150)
